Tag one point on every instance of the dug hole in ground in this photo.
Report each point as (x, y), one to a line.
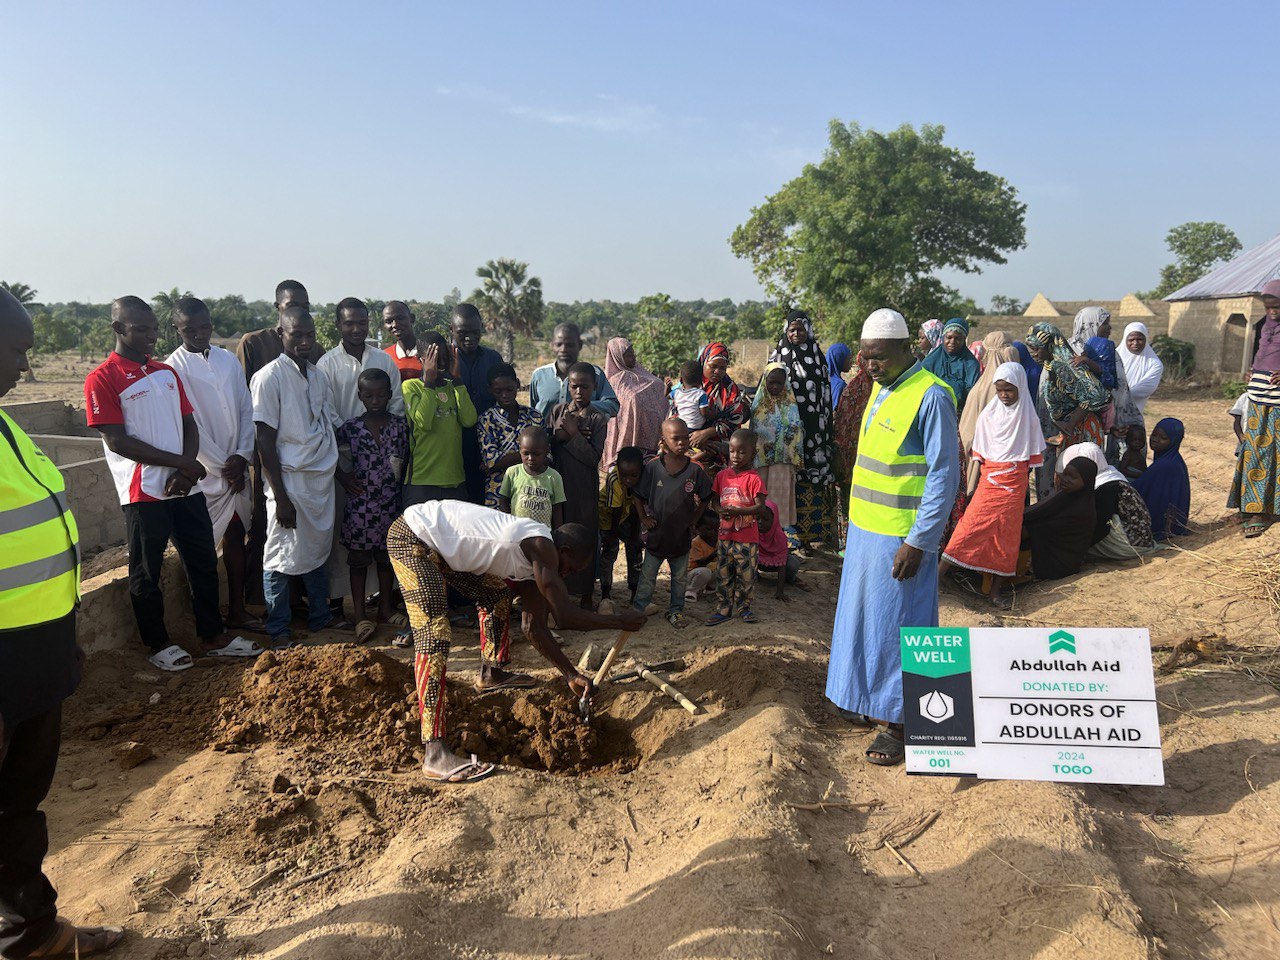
(282, 814)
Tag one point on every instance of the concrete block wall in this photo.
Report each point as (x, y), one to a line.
(91, 494)
(48, 416)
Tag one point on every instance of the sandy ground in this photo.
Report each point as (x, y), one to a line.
(282, 815)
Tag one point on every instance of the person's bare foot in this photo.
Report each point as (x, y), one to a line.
(441, 764)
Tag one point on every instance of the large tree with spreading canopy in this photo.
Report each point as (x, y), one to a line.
(870, 224)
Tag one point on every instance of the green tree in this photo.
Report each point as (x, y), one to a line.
(1197, 248)
(869, 224)
(21, 292)
(662, 338)
(509, 300)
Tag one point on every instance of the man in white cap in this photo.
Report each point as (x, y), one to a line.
(904, 485)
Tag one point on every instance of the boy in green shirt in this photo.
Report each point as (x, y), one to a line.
(530, 488)
(437, 410)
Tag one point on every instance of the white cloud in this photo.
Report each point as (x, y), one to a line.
(615, 117)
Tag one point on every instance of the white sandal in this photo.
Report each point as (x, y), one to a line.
(239, 647)
(172, 659)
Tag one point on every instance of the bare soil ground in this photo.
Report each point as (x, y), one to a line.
(283, 816)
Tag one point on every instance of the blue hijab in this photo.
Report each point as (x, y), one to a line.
(961, 371)
(1165, 485)
(1030, 365)
(838, 355)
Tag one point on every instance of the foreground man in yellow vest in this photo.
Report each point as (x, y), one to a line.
(39, 668)
(904, 485)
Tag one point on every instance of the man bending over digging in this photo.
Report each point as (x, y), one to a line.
(480, 553)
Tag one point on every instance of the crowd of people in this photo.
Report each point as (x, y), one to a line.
(921, 460)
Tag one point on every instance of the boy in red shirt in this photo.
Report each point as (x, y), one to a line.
(141, 409)
(738, 496)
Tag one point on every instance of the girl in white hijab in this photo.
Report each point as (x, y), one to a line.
(1142, 368)
(1008, 442)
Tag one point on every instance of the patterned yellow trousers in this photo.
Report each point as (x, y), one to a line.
(424, 577)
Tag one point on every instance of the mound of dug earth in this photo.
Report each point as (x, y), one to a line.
(339, 695)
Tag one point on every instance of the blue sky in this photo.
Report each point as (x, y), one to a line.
(387, 149)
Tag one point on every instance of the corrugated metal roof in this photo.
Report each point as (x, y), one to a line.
(1237, 278)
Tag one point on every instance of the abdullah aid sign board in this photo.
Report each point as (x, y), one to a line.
(1076, 705)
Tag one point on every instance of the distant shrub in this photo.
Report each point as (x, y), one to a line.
(1231, 389)
(1178, 356)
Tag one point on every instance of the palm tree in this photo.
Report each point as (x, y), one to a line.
(21, 291)
(509, 300)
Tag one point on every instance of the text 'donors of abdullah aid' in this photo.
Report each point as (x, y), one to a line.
(1031, 704)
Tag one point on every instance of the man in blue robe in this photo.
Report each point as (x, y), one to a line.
(904, 485)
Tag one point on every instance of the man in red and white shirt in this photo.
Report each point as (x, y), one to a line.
(141, 409)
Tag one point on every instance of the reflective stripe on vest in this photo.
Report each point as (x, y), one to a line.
(39, 542)
(888, 486)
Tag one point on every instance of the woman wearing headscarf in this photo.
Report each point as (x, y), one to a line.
(979, 351)
(1091, 340)
(1166, 485)
(1059, 529)
(642, 403)
(799, 352)
(998, 350)
(1030, 365)
(1122, 529)
(726, 412)
(775, 420)
(847, 423)
(1142, 368)
(930, 337)
(1255, 491)
(1074, 397)
(839, 361)
(1008, 442)
(952, 362)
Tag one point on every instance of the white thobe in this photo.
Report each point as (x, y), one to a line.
(300, 410)
(215, 385)
(342, 370)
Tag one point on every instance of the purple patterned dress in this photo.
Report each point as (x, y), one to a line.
(370, 513)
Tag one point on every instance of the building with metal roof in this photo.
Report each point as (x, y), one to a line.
(1219, 311)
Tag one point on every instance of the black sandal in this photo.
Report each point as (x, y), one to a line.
(892, 748)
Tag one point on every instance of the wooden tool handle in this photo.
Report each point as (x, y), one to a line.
(612, 655)
(668, 689)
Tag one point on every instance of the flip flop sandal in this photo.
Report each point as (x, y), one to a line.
(517, 681)
(252, 625)
(364, 630)
(677, 620)
(893, 750)
(172, 659)
(397, 620)
(338, 622)
(403, 640)
(282, 641)
(238, 647)
(482, 771)
(68, 940)
(1254, 528)
(716, 619)
(748, 616)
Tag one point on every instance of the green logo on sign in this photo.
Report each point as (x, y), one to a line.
(1061, 640)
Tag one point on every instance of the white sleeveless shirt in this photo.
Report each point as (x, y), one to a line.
(475, 539)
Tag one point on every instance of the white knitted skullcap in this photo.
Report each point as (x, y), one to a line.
(885, 324)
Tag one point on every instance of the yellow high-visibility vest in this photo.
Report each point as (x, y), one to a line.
(887, 485)
(39, 542)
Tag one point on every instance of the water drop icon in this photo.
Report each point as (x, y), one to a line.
(937, 706)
